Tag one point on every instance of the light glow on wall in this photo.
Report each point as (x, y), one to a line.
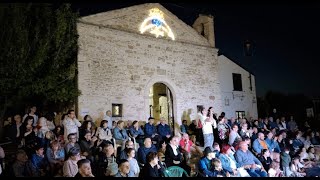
(155, 24)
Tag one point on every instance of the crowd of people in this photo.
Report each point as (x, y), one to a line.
(210, 146)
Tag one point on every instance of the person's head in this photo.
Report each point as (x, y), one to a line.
(295, 160)
(270, 119)
(87, 125)
(84, 167)
(104, 124)
(184, 122)
(210, 111)
(194, 122)
(216, 146)
(274, 110)
(120, 124)
(311, 150)
(135, 124)
(87, 118)
(275, 165)
(74, 154)
(55, 145)
(152, 158)
(185, 136)
(17, 118)
(226, 149)
(131, 152)
(209, 153)
(129, 144)
(217, 163)
(21, 156)
(287, 150)
(71, 114)
(291, 118)
(162, 120)
(255, 130)
(235, 127)
(261, 136)
(247, 140)
(72, 137)
(256, 122)
(243, 146)
(108, 150)
(304, 149)
(244, 126)
(151, 120)
(283, 119)
(124, 166)
(33, 109)
(108, 113)
(233, 120)
(39, 150)
(163, 144)
(174, 140)
(270, 135)
(64, 117)
(265, 152)
(29, 120)
(87, 135)
(147, 142)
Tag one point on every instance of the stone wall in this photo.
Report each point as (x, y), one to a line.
(120, 67)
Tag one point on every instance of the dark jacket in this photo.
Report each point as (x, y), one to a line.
(143, 151)
(149, 171)
(285, 159)
(170, 156)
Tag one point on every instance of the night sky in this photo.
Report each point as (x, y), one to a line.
(286, 39)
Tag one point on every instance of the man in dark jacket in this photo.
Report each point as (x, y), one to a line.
(144, 150)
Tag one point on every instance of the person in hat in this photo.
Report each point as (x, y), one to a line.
(205, 163)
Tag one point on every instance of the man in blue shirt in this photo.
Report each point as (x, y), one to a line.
(164, 130)
(151, 131)
(144, 150)
(246, 159)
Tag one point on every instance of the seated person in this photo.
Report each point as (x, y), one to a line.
(87, 146)
(274, 170)
(152, 168)
(144, 150)
(55, 155)
(123, 153)
(134, 166)
(19, 166)
(70, 167)
(228, 161)
(188, 147)
(205, 163)
(103, 132)
(137, 132)
(259, 144)
(296, 170)
(245, 158)
(107, 164)
(164, 130)
(151, 131)
(120, 134)
(173, 156)
(265, 159)
(72, 142)
(124, 169)
(40, 165)
(184, 127)
(84, 169)
(217, 169)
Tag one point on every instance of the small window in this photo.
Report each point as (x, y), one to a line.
(240, 114)
(116, 110)
(237, 82)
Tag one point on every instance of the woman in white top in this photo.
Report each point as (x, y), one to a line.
(295, 168)
(134, 167)
(103, 132)
(206, 123)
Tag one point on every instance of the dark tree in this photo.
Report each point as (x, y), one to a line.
(38, 45)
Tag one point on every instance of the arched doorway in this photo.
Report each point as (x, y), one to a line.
(161, 103)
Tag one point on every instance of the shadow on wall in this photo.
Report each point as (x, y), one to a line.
(186, 116)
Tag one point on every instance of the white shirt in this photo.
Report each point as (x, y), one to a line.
(109, 119)
(232, 163)
(206, 126)
(71, 126)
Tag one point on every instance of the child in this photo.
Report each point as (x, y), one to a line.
(274, 170)
(217, 169)
(295, 168)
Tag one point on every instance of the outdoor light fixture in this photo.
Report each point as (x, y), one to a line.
(155, 24)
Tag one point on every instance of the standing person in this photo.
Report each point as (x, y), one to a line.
(285, 161)
(14, 130)
(206, 123)
(108, 117)
(32, 112)
(213, 117)
(223, 129)
(71, 125)
(84, 169)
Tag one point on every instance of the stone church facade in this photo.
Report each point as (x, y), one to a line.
(118, 64)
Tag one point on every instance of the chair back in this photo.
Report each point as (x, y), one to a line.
(175, 171)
